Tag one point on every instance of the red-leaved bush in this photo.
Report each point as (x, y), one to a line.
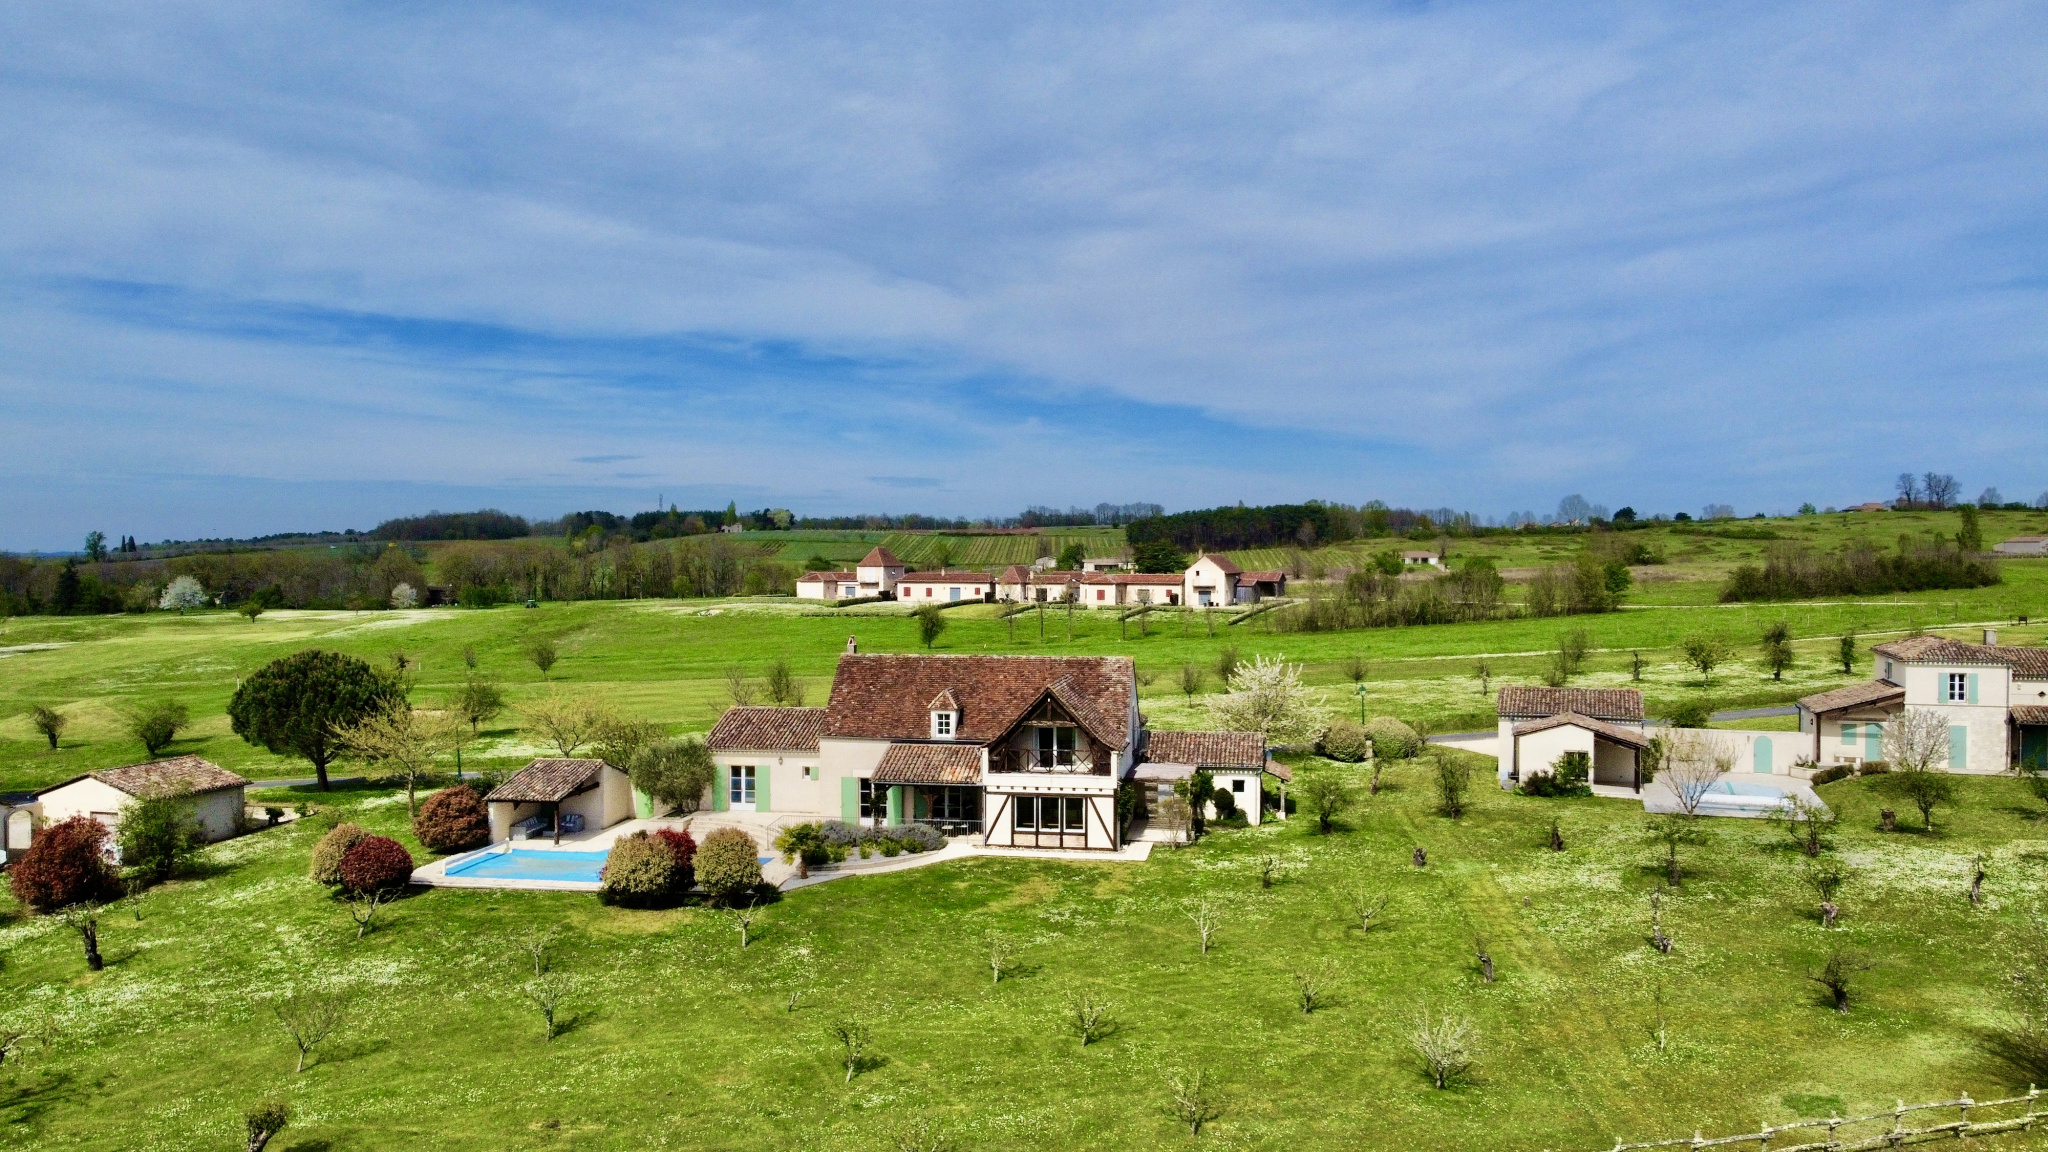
(682, 845)
(376, 864)
(64, 865)
(453, 820)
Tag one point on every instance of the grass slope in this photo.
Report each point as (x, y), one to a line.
(678, 1039)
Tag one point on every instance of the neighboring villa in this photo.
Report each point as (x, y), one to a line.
(1211, 581)
(211, 795)
(1539, 725)
(1023, 751)
(1422, 559)
(1994, 698)
(2022, 546)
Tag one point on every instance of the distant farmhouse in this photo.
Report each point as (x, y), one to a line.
(1211, 581)
(2022, 546)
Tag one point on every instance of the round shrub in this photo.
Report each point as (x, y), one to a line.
(332, 847)
(803, 842)
(920, 837)
(640, 871)
(1226, 804)
(64, 865)
(376, 864)
(728, 865)
(1393, 740)
(684, 847)
(1347, 740)
(453, 820)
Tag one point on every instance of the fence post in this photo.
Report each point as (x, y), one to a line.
(1763, 1143)
(1963, 1110)
(1898, 1122)
(2028, 1124)
(1697, 1139)
(1834, 1122)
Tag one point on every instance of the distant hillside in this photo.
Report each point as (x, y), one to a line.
(487, 524)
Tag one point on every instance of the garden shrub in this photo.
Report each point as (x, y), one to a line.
(920, 837)
(728, 865)
(376, 864)
(453, 820)
(1348, 741)
(640, 871)
(1875, 768)
(1226, 804)
(1832, 773)
(805, 842)
(156, 835)
(1567, 777)
(1393, 740)
(683, 847)
(332, 847)
(64, 865)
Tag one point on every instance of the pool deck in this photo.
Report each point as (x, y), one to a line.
(763, 829)
(1659, 798)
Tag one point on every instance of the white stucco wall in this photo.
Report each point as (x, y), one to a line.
(218, 813)
(1206, 573)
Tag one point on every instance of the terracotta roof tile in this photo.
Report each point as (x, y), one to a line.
(1519, 702)
(1207, 749)
(880, 558)
(179, 775)
(930, 764)
(1626, 736)
(548, 780)
(752, 729)
(2029, 714)
(1265, 576)
(1853, 696)
(820, 577)
(963, 576)
(2026, 663)
(884, 697)
(1222, 562)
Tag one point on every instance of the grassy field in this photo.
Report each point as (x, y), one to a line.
(665, 660)
(677, 1038)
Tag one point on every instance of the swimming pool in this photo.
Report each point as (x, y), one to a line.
(527, 864)
(1744, 788)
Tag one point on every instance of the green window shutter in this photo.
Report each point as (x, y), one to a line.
(1973, 687)
(643, 804)
(849, 799)
(761, 777)
(721, 786)
(1958, 746)
(896, 804)
(1873, 741)
(1849, 734)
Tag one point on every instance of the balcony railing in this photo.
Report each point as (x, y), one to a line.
(1036, 760)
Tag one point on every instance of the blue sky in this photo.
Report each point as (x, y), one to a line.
(277, 266)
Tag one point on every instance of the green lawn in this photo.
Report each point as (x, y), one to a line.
(664, 660)
(679, 1039)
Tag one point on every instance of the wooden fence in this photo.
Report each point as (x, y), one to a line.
(1877, 1130)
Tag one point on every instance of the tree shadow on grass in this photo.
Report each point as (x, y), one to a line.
(24, 1101)
(309, 1146)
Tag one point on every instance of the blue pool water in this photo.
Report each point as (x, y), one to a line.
(1740, 788)
(527, 864)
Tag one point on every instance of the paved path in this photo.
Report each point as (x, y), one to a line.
(1718, 717)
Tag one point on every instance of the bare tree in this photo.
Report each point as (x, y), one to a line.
(1310, 984)
(1269, 870)
(567, 722)
(1671, 832)
(535, 942)
(1694, 761)
(1177, 817)
(743, 919)
(1705, 653)
(1914, 744)
(738, 688)
(1190, 681)
(265, 1121)
(1193, 1097)
(1206, 918)
(50, 722)
(1444, 1041)
(1484, 957)
(547, 993)
(1939, 488)
(1087, 1015)
(84, 918)
(1908, 488)
(1483, 672)
(1836, 972)
(362, 907)
(1977, 874)
(1825, 876)
(399, 743)
(1811, 826)
(1658, 939)
(854, 1038)
(783, 687)
(1324, 794)
(1365, 907)
(999, 956)
(311, 1019)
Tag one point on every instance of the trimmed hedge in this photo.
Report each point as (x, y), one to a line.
(453, 820)
(376, 864)
(1347, 740)
(728, 865)
(640, 871)
(1393, 740)
(327, 854)
(63, 866)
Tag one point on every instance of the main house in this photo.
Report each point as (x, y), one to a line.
(1994, 698)
(1024, 751)
(1211, 581)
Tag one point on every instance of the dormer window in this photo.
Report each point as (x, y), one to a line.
(945, 710)
(942, 725)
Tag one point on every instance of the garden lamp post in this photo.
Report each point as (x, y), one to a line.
(1361, 704)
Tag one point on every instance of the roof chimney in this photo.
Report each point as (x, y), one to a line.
(852, 645)
(1991, 637)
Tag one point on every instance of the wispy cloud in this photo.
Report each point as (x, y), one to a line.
(1469, 254)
